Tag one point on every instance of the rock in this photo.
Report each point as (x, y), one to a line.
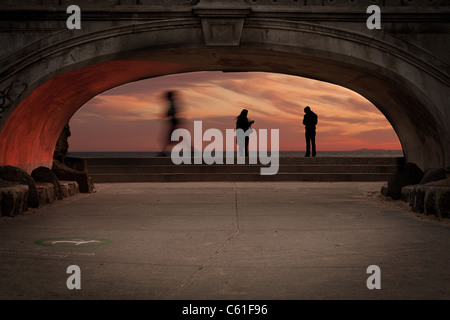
(47, 192)
(440, 183)
(417, 197)
(407, 174)
(44, 174)
(406, 193)
(70, 188)
(442, 200)
(430, 202)
(4, 183)
(62, 145)
(13, 199)
(76, 163)
(432, 198)
(65, 173)
(433, 175)
(444, 205)
(19, 177)
(384, 189)
(69, 168)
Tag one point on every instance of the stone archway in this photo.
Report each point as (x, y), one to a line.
(402, 81)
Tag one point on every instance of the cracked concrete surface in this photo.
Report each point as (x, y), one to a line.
(203, 241)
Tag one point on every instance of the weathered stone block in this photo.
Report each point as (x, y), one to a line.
(430, 207)
(432, 198)
(47, 192)
(408, 174)
(70, 188)
(406, 193)
(63, 172)
(433, 175)
(44, 174)
(76, 163)
(444, 205)
(18, 176)
(417, 200)
(65, 190)
(73, 188)
(13, 200)
(384, 189)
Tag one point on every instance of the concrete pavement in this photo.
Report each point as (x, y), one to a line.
(225, 240)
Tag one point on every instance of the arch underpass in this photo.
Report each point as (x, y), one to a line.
(46, 81)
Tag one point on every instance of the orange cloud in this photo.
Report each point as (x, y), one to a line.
(129, 118)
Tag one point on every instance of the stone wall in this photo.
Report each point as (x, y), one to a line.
(402, 69)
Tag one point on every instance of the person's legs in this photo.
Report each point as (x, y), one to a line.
(246, 146)
(168, 142)
(241, 150)
(308, 144)
(313, 143)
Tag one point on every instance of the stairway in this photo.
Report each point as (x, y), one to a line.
(161, 169)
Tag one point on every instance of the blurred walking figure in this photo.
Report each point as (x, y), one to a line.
(310, 122)
(242, 122)
(172, 121)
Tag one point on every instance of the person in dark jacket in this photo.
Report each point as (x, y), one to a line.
(242, 122)
(173, 121)
(310, 122)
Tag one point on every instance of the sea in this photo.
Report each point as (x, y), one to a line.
(150, 154)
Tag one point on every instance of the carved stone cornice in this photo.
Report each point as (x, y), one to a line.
(222, 23)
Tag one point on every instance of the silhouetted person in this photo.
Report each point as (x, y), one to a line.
(310, 122)
(242, 122)
(173, 120)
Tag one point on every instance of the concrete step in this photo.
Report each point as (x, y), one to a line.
(161, 169)
(282, 160)
(195, 177)
(208, 169)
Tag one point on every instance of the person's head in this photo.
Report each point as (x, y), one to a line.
(307, 109)
(244, 113)
(170, 94)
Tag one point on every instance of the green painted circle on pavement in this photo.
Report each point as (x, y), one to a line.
(72, 242)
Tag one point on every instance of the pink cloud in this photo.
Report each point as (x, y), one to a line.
(129, 117)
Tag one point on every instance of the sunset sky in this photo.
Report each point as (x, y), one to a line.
(129, 117)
